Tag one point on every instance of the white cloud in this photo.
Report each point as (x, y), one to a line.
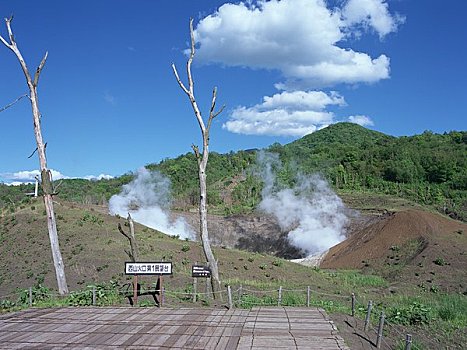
(16, 183)
(371, 13)
(262, 35)
(362, 120)
(287, 114)
(28, 176)
(302, 39)
(302, 100)
(98, 177)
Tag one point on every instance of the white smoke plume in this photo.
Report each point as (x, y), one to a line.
(146, 198)
(312, 212)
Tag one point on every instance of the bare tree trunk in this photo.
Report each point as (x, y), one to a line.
(202, 163)
(46, 176)
(203, 215)
(133, 253)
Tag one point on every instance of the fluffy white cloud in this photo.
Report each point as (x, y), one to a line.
(362, 120)
(16, 183)
(287, 114)
(29, 175)
(371, 13)
(300, 38)
(302, 100)
(98, 177)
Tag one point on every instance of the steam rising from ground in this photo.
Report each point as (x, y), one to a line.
(147, 199)
(312, 212)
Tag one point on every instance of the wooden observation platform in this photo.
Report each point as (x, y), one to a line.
(155, 328)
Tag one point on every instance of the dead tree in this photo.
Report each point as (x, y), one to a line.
(133, 252)
(46, 175)
(202, 158)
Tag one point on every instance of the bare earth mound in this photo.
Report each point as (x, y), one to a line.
(433, 246)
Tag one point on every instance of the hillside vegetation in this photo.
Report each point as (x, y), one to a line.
(414, 261)
(94, 255)
(429, 169)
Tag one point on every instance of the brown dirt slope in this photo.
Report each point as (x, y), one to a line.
(93, 251)
(433, 246)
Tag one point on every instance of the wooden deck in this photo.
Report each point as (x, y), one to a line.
(154, 328)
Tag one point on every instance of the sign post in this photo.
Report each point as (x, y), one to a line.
(147, 268)
(200, 271)
(135, 290)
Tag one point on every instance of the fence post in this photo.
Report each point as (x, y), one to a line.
(135, 290)
(240, 294)
(162, 296)
(308, 296)
(229, 296)
(279, 299)
(93, 295)
(209, 294)
(380, 331)
(195, 287)
(353, 304)
(408, 341)
(30, 296)
(368, 313)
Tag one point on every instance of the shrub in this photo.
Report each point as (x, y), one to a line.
(440, 262)
(39, 294)
(413, 314)
(278, 263)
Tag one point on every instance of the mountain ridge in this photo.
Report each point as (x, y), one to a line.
(430, 169)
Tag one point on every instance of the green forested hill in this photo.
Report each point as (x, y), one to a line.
(430, 169)
(353, 156)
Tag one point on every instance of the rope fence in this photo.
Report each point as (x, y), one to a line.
(231, 297)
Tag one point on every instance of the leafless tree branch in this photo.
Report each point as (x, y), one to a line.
(45, 146)
(196, 151)
(39, 69)
(218, 112)
(122, 232)
(10, 34)
(56, 187)
(190, 91)
(179, 80)
(14, 102)
(133, 253)
(213, 114)
(190, 59)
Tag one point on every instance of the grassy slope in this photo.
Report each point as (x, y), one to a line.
(93, 251)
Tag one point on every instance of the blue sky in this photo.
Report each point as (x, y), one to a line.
(110, 102)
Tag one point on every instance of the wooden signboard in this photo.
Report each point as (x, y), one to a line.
(200, 271)
(148, 268)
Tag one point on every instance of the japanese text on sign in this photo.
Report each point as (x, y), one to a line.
(148, 268)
